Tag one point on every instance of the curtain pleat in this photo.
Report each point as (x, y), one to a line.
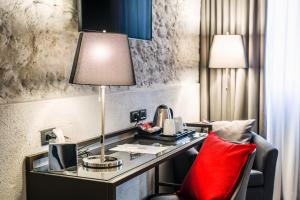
(283, 94)
(245, 100)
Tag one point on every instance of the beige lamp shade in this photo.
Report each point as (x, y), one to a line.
(227, 51)
(102, 59)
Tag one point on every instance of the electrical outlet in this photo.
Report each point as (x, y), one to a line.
(138, 115)
(143, 114)
(47, 135)
(134, 116)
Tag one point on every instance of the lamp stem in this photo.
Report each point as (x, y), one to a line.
(101, 161)
(102, 122)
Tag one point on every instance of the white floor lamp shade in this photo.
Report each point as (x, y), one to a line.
(227, 51)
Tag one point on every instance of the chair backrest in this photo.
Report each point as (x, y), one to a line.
(264, 149)
(241, 186)
(265, 162)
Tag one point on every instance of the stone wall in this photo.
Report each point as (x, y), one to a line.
(37, 45)
(38, 39)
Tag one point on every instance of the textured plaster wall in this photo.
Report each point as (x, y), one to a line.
(37, 44)
(78, 117)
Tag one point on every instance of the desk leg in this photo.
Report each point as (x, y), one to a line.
(156, 180)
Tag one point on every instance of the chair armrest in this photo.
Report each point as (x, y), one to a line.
(166, 184)
(183, 163)
(265, 161)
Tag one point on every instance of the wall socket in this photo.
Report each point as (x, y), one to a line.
(47, 135)
(138, 115)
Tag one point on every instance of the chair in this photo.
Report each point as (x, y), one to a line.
(240, 189)
(261, 181)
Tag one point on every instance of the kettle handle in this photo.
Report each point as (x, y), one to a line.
(171, 110)
(155, 117)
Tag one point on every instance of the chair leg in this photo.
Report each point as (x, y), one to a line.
(156, 180)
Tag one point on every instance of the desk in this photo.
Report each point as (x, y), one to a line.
(85, 183)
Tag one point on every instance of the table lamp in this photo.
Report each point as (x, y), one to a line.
(102, 59)
(227, 51)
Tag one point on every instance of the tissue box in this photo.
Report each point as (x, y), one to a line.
(62, 157)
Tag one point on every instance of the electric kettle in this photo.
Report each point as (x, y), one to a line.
(162, 113)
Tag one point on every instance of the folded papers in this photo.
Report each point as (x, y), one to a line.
(138, 148)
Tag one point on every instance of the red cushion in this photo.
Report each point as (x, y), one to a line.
(215, 171)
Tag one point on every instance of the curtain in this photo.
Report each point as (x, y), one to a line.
(283, 93)
(245, 100)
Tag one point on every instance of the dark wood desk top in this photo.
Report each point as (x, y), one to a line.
(133, 164)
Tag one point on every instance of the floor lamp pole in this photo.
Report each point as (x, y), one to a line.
(227, 95)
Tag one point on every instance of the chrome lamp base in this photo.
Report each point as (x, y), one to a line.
(95, 162)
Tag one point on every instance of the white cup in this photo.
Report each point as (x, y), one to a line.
(179, 125)
(169, 127)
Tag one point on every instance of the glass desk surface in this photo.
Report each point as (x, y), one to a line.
(130, 160)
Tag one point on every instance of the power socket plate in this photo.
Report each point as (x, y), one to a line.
(46, 136)
(138, 115)
(143, 114)
(134, 116)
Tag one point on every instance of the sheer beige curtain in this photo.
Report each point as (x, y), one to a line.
(245, 101)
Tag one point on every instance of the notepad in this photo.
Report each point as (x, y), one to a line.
(138, 148)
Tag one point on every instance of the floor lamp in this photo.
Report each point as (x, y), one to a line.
(102, 59)
(227, 51)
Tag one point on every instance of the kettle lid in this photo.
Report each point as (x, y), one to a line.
(163, 106)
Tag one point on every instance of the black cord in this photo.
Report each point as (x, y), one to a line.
(137, 122)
